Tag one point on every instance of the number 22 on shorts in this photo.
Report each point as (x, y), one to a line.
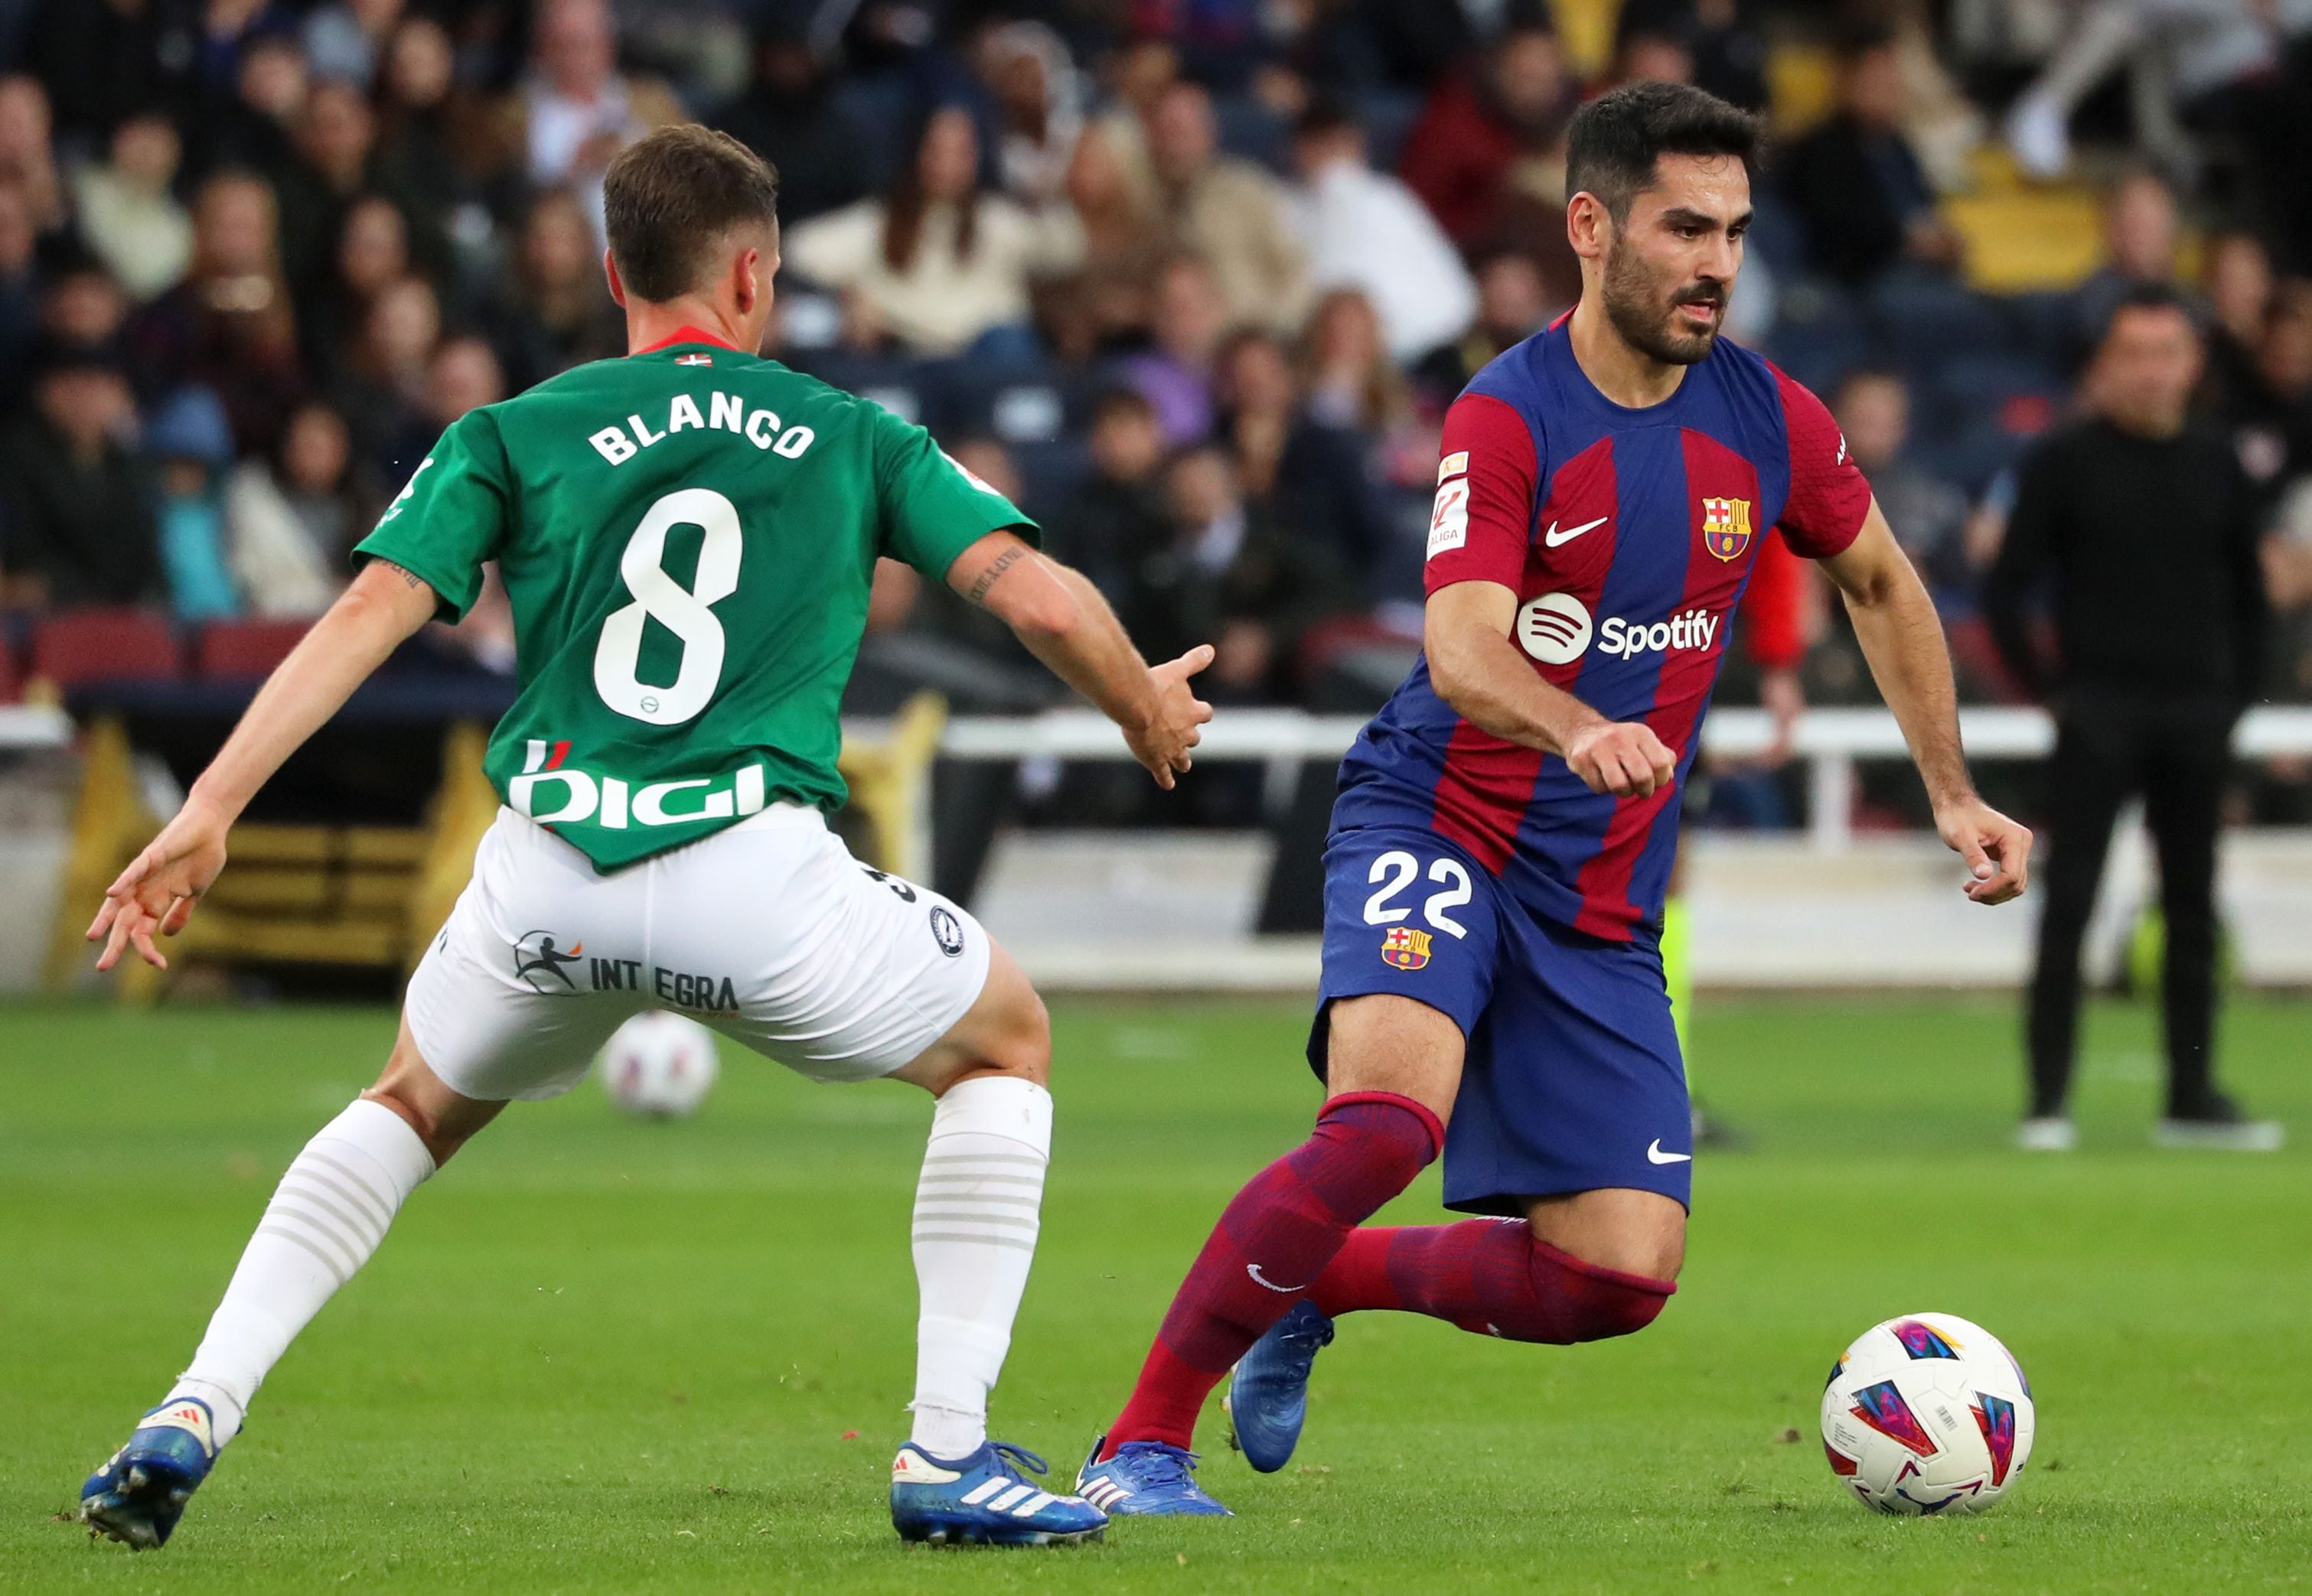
(1397, 869)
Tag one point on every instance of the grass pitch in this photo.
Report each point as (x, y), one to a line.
(599, 1356)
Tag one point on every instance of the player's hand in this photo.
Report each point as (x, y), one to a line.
(1175, 724)
(1622, 757)
(1997, 850)
(158, 890)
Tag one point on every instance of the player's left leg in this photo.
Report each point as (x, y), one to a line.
(858, 975)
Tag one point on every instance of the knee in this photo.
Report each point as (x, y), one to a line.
(1597, 1302)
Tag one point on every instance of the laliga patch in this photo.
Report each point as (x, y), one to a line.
(1448, 523)
(1405, 947)
(1453, 465)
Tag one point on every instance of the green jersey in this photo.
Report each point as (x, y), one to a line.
(686, 535)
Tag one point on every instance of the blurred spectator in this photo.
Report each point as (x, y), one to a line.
(1351, 381)
(1480, 124)
(1116, 515)
(1188, 319)
(1928, 514)
(127, 214)
(415, 160)
(188, 442)
(789, 117)
(1227, 209)
(2287, 556)
(27, 162)
(1511, 307)
(946, 266)
(2142, 246)
(382, 387)
(229, 326)
(1108, 300)
(2284, 363)
(1307, 474)
(82, 303)
(1367, 231)
(1039, 111)
(345, 40)
(79, 526)
(1861, 196)
(554, 310)
(293, 517)
(575, 110)
(373, 253)
(254, 127)
(2236, 278)
(1722, 51)
(462, 374)
(1230, 577)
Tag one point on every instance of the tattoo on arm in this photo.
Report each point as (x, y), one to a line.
(404, 573)
(977, 592)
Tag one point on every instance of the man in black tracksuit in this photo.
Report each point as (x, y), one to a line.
(2140, 528)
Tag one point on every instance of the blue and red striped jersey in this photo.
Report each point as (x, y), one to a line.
(1628, 536)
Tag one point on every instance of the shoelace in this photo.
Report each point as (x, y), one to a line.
(1304, 1345)
(1017, 1457)
(1163, 1465)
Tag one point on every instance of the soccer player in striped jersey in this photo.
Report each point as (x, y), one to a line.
(1492, 987)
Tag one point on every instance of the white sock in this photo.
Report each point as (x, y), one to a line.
(327, 1216)
(975, 1222)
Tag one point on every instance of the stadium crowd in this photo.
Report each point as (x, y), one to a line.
(1192, 280)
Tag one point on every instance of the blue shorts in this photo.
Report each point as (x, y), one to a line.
(1574, 1079)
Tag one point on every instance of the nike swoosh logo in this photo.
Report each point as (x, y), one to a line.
(1266, 1284)
(1553, 537)
(1654, 1155)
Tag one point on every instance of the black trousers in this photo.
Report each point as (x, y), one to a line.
(2176, 754)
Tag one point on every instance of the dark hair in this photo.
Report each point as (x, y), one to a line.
(2151, 296)
(669, 198)
(904, 207)
(1122, 403)
(1614, 140)
(1326, 115)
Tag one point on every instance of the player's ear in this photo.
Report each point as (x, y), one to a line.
(1587, 226)
(618, 288)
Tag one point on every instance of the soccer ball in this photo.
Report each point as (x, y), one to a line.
(1927, 1414)
(659, 1066)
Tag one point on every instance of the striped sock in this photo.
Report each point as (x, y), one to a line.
(976, 1210)
(327, 1216)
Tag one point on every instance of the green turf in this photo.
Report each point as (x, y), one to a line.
(603, 1355)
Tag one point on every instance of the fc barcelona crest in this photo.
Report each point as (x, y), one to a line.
(1726, 527)
(1405, 947)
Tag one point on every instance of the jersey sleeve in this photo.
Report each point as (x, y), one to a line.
(1829, 496)
(1483, 521)
(451, 518)
(932, 507)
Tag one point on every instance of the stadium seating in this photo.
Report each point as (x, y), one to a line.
(76, 648)
(244, 650)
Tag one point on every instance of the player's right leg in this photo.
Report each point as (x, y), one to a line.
(326, 1217)
(495, 1012)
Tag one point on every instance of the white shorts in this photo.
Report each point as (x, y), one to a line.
(769, 931)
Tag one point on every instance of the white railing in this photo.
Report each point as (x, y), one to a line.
(1831, 743)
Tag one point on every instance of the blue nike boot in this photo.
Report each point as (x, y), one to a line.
(140, 1495)
(984, 1500)
(1148, 1478)
(1269, 1394)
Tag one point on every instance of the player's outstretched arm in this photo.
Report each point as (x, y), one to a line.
(1475, 669)
(1061, 619)
(1901, 636)
(157, 892)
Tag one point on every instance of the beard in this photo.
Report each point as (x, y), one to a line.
(1646, 318)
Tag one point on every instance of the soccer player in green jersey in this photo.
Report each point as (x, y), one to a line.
(688, 536)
